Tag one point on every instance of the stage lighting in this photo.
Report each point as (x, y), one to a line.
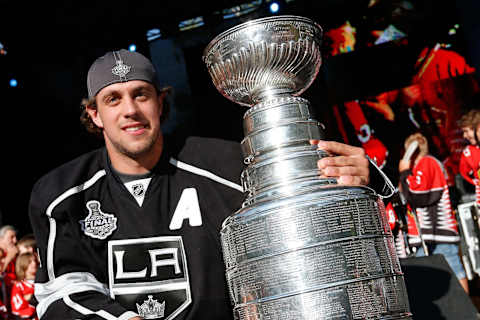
(132, 48)
(13, 83)
(3, 52)
(274, 7)
(153, 34)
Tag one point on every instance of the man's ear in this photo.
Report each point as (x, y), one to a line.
(93, 113)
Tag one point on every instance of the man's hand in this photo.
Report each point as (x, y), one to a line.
(348, 163)
(11, 252)
(136, 318)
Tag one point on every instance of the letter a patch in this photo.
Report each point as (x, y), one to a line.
(187, 208)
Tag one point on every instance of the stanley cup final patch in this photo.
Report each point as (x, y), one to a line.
(149, 276)
(98, 224)
(120, 69)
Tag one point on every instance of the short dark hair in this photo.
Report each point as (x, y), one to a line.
(27, 240)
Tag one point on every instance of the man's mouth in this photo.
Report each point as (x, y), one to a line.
(135, 128)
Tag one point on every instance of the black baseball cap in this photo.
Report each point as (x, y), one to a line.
(119, 66)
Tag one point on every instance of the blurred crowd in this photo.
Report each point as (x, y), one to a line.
(424, 216)
(18, 263)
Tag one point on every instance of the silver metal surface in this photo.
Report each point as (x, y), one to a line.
(470, 231)
(276, 111)
(381, 298)
(265, 58)
(279, 169)
(301, 246)
(293, 133)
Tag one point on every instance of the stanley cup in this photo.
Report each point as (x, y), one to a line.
(301, 246)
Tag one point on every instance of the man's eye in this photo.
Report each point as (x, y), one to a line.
(141, 95)
(111, 100)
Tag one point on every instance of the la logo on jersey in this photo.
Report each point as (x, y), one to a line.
(98, 224)
(150, 276)
(187, 209)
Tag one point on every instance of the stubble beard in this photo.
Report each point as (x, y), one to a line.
(138, 152)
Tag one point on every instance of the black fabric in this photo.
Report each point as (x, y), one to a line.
(434, 291)
(75, 251)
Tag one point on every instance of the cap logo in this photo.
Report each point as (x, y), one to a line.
(120, 69)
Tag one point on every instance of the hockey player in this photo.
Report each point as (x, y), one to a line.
(131, 231)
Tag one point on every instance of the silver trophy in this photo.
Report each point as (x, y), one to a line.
(301, 246)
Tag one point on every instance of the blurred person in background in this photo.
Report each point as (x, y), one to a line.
(424, 185)
(26, 244)
(22, 297)
(470, 159)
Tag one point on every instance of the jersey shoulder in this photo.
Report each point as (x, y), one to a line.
(69, 175)
(430, 163)
(221, 157)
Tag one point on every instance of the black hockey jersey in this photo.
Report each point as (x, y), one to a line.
(105, 256)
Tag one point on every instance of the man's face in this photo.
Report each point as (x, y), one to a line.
(469, 134)
(10, 238)
(129, 114)
(25, 249)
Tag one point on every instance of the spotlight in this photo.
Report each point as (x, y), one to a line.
(13, 83)
(132, 47)
(153, 34)
(274, 7)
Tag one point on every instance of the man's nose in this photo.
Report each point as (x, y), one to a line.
(130, 107)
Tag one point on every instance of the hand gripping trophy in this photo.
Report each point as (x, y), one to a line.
(301, 246)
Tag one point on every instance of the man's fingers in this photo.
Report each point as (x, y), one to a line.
(352, 181)
(344, 171)
(340, 148)
(340, 161)
(348, 164)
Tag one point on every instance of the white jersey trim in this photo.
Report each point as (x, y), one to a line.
(53, 225)
(67, 284)
(205, 173)
(101, 313)
(443, 239)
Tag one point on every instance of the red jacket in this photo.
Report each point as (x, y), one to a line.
(20, 306)
(469, 167)
(426, 190)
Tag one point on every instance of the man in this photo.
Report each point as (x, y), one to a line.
(8, 242)
(470, 160)
(424, 185)
(131, 231)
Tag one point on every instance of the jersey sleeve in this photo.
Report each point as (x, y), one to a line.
(66, 284)
(424, 185)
